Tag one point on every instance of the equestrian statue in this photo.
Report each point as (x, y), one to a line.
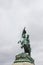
(25, 42)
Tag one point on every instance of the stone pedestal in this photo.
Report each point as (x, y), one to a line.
(23, 59)
(23, 63)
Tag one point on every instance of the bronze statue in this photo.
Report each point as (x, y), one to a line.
(26, 55)
(25, 42)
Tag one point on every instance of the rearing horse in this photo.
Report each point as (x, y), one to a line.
(25, 42)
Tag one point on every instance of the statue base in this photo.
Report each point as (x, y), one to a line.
(23, 63)
(24, 57)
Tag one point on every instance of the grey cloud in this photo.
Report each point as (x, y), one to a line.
(36, 33)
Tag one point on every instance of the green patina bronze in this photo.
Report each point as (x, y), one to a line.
(23, 57)
(25, 42)
(26, 56)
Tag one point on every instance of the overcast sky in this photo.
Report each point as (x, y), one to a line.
(14, 16)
